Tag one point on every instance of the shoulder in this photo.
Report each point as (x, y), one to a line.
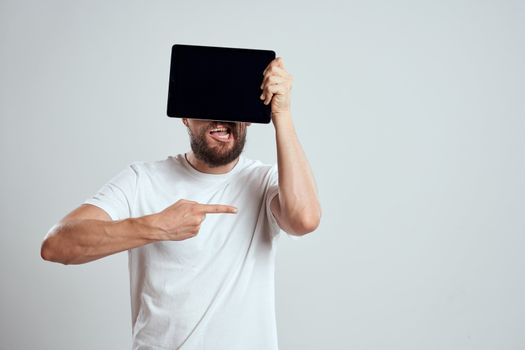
(156, 167)
(256, 169)
(253, 165)
(143, 173)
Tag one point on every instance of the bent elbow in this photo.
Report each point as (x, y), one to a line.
(48, 254)
(48, 250)
(306, 227)
(45, 251)
(307, 224)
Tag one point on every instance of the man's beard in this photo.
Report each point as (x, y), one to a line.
(220, 154)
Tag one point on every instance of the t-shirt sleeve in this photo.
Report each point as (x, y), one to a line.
(271, 191)
(116, 196)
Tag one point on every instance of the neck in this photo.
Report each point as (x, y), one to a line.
(201, 166)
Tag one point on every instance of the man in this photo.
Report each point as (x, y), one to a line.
(201, 274)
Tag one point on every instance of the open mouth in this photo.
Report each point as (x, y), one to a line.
(221, 133)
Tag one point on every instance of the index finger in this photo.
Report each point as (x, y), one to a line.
(217, 208)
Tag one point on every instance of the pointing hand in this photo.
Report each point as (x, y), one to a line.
(183, 219)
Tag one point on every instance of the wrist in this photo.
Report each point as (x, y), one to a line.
(146, 229)
(282, 119)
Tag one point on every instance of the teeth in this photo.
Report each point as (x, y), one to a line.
(219, 130)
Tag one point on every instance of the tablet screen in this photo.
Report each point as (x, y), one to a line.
(218, 83)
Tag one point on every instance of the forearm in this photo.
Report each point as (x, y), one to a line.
(82, 241)
(298, 199)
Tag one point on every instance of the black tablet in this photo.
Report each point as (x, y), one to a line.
(218, 83)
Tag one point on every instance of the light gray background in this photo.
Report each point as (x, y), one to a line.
(412, 114)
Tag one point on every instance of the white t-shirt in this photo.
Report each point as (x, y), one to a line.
(212, 291)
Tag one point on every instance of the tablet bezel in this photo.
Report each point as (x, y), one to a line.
(176, 107)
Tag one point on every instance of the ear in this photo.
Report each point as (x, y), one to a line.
(185, 121)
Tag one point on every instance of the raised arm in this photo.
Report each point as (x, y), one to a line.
(88, 233)
(296, 207)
